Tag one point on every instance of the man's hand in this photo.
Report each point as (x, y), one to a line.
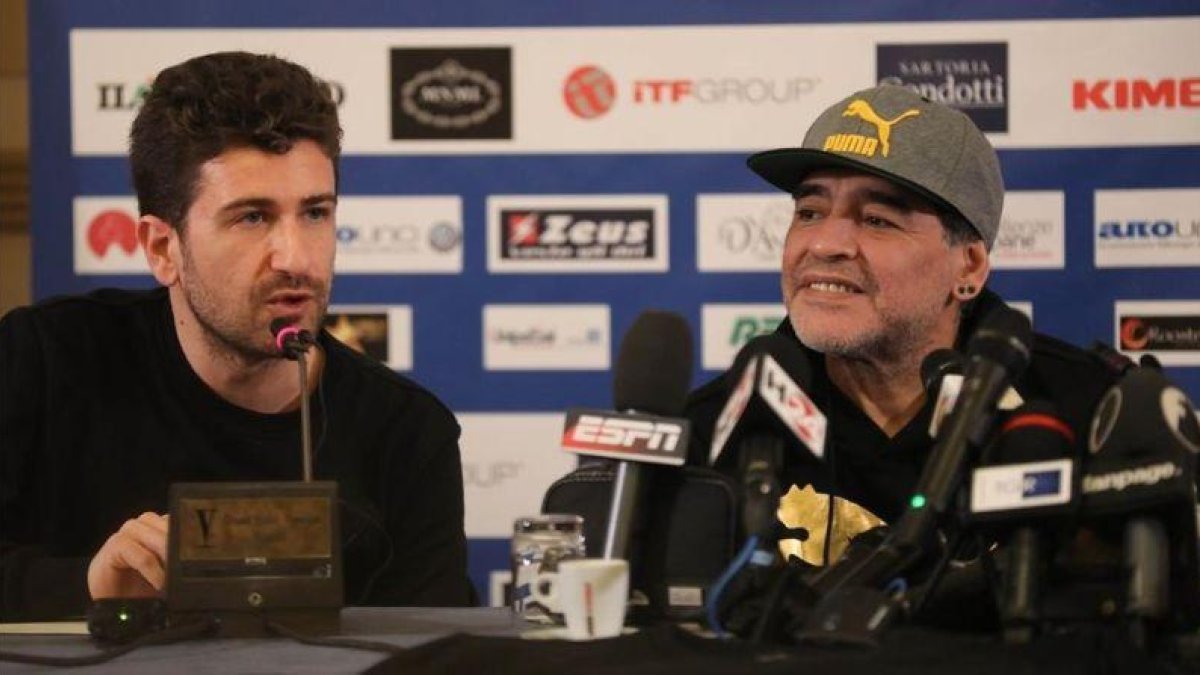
(133, 562)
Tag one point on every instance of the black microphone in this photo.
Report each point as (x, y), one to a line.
(997, 353)
(1140, 479)
(1025, 491)
(653, 375)
(650, 386)
(290, 339)
(293, 342)
(768, 397)
(942, 375)
(767, 420)
(937, 365)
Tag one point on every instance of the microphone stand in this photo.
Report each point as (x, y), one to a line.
(305, 423)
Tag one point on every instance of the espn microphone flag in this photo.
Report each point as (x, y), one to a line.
(626, 436)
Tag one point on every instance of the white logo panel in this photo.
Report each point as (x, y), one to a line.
(726, 328)
(741, 232)
(1147, 228)
(105, 236)
(546, 337)
(399, 235)
(1032, 232)
(509, 460)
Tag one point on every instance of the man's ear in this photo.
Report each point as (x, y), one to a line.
(975, 265)
(160, 242)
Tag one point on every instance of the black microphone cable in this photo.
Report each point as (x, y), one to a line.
(173, 634)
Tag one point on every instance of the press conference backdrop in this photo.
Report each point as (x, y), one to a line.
(521, 179)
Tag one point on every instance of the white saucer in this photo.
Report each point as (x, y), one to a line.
(560, 633)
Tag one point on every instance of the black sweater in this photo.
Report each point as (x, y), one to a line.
(100, 412)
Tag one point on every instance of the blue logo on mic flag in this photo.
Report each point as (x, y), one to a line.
(1041, 483)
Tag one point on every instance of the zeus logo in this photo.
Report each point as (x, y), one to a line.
(624, 433)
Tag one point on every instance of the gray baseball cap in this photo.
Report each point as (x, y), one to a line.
(896, 134)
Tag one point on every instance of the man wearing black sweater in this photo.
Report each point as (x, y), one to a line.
(107, 399)
(897, 203)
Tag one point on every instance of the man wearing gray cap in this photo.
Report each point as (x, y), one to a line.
(897, 203)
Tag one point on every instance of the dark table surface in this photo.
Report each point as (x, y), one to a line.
(403, 627)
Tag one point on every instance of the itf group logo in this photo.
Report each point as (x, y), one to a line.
(105, 236)
(589, 92)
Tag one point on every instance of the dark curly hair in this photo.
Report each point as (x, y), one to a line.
(204, 106)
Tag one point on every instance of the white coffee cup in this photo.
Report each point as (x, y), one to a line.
(591, 593)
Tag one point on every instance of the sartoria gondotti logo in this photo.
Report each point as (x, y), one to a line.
(972, 77)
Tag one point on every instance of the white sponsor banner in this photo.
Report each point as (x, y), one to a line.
(676, 88)
(726, 327)
(577, 233)
(742, 232)
(1147, 228)
(382, 331)
(1032, 232)
(1135, 334)
(546, 337)
(509, 460)
(105, 238)
(399, 235)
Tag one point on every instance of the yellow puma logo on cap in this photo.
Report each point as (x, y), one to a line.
(865, 145)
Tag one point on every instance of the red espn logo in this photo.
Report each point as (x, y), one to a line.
(1136, 94)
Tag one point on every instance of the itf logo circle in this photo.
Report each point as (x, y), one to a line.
(589, 92)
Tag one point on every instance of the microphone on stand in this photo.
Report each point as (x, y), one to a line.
(1139, 485)
(293, 342)
(997, 354)
(257, 552)
(650, 386)
(1026, 489)
(767, 422)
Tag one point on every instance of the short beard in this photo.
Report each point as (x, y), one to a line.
(898, 339)
(220, 331)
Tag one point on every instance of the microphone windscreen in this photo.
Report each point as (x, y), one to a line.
(278, 324)
(1034, 433)
(938, 364)
(786, 352)
(1143, 414)
(654, 365)
(1004, 336)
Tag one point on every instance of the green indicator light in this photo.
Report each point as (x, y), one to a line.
(123, 616)
(917, 501)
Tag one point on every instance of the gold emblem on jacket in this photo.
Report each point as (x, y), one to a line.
(808, 509)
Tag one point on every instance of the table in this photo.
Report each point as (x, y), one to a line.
(658, 650)
(401, 626)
